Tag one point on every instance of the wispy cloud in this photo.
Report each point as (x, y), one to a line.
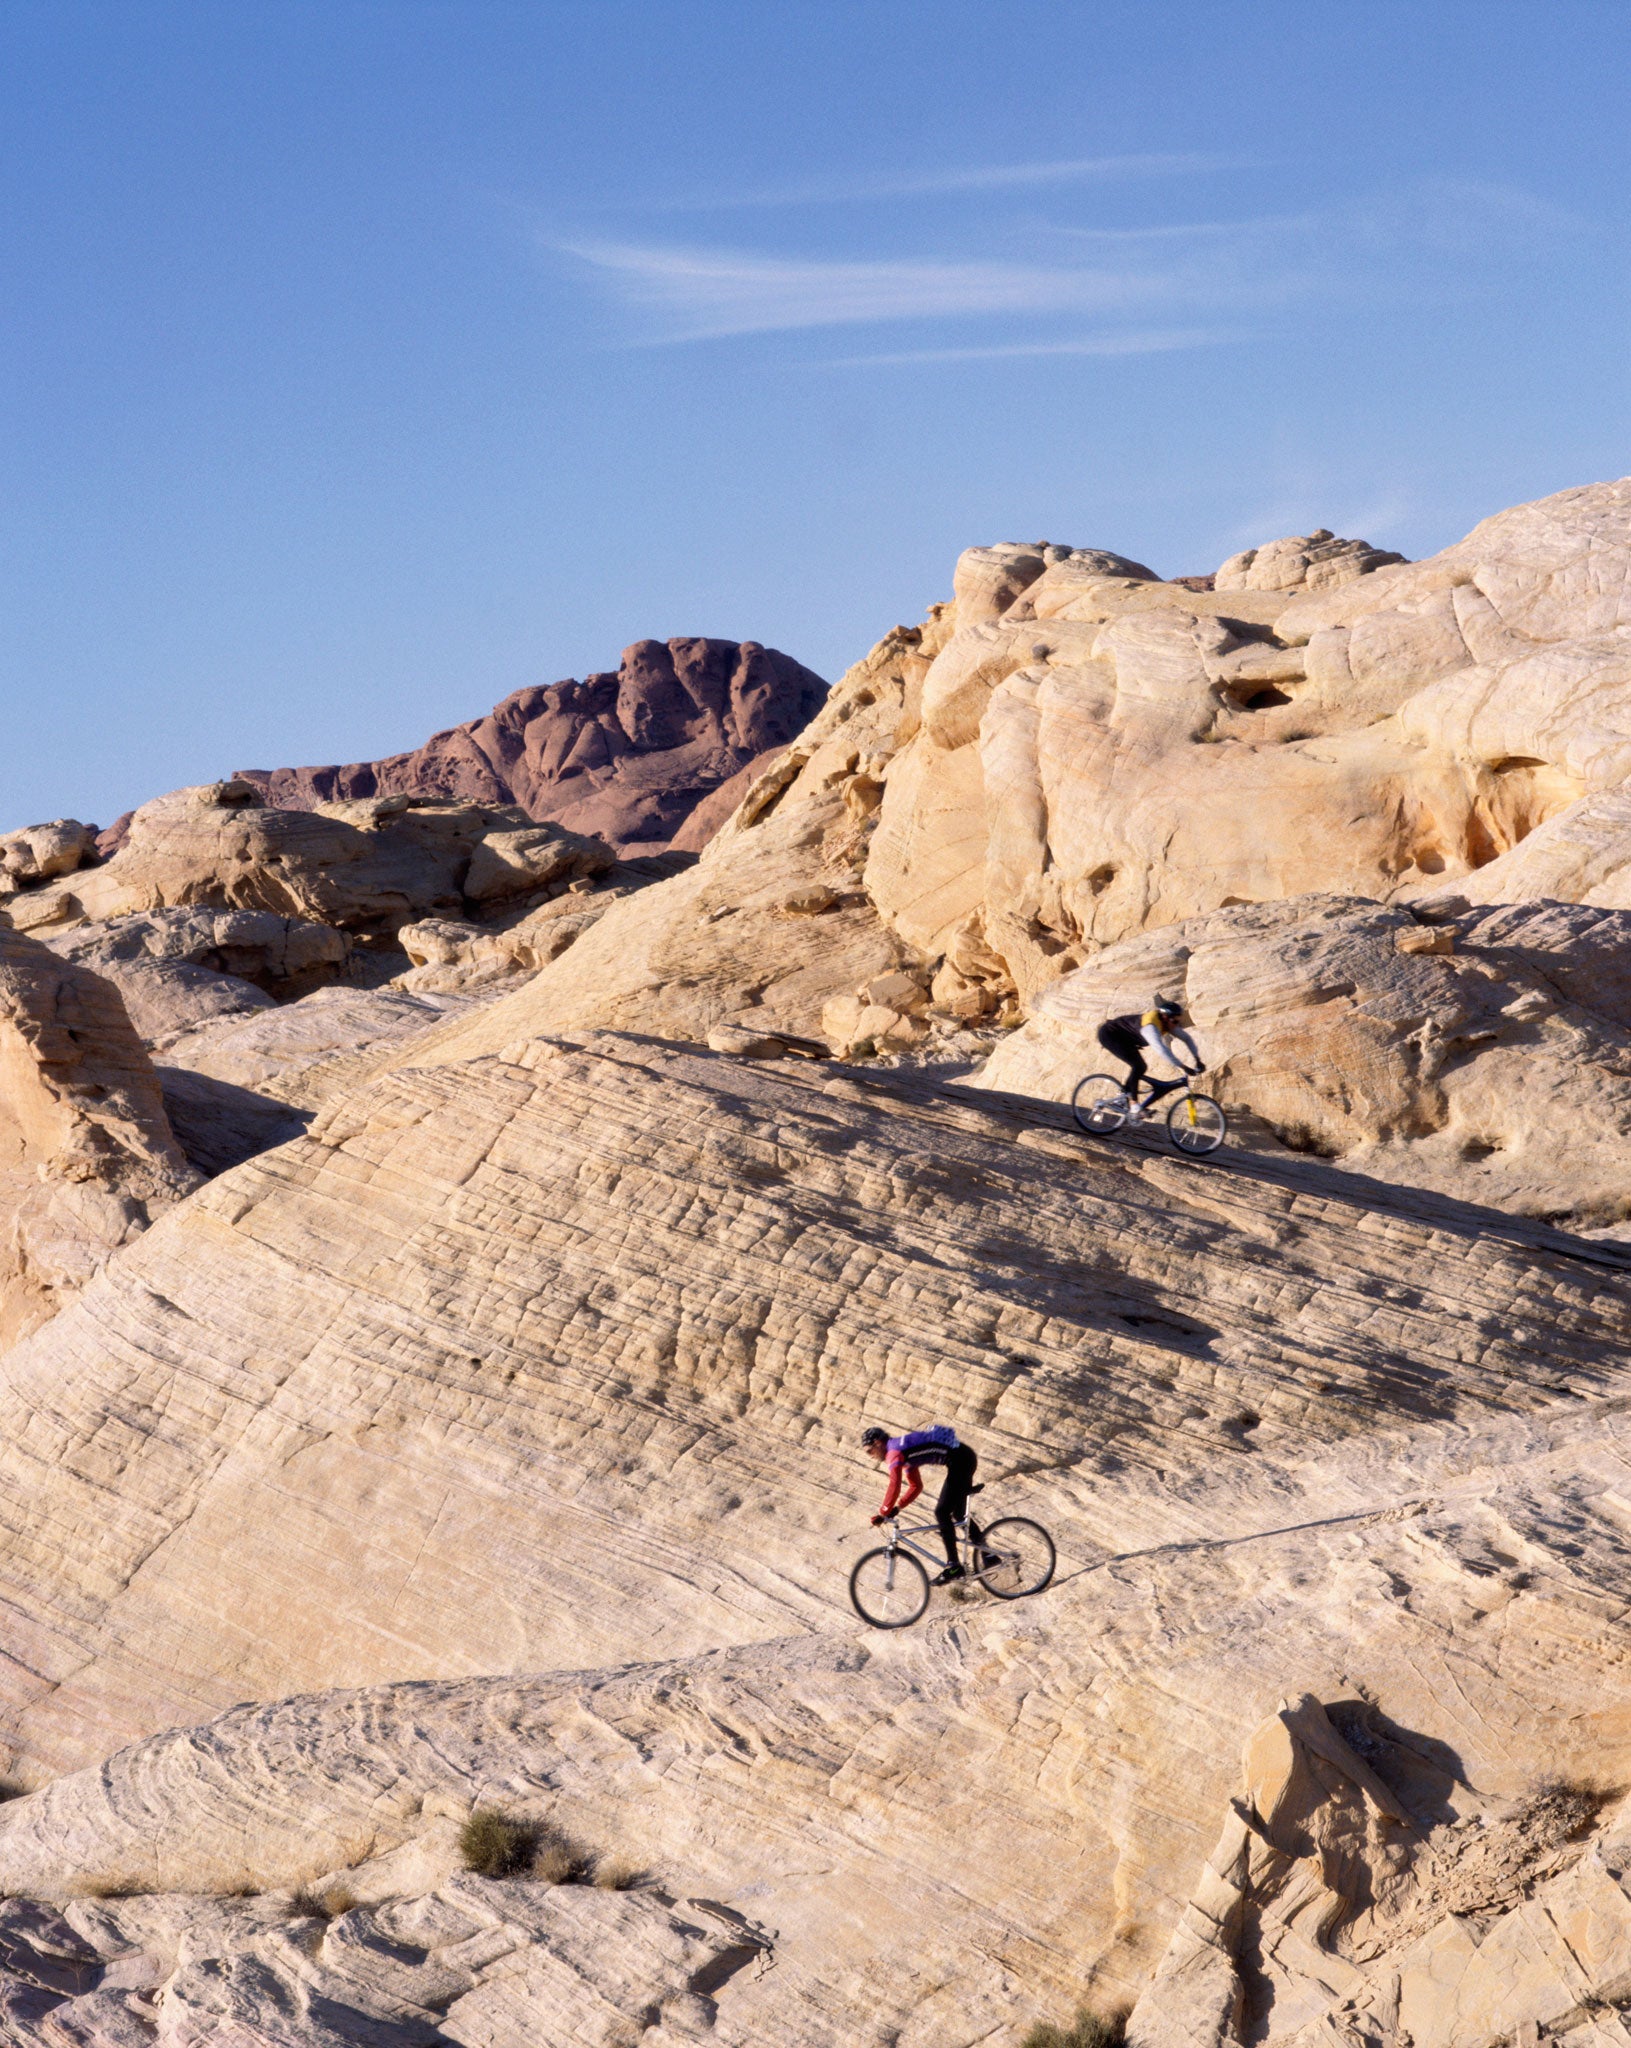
(1157, 342)
(1434, 241)
(703, 294)
(965, 179)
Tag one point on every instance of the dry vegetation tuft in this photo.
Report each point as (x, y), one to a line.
(558, 1859)
(1089, 2030)
(327, 1903)
(497, 1844)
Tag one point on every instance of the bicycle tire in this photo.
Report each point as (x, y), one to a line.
(894, 1597)
(1024, 1558)
(1196, 1125)
(1106, 1109)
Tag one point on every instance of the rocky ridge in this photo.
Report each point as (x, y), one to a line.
(626, 756)
(486, 1421)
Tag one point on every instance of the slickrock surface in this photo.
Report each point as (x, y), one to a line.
(512, 1308)
(943, 1835)
(1487, 1054)
(86, 1152)
(557, 1360)
(239, 1083)
(625, 756)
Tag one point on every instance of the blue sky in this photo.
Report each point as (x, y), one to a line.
(360, 364)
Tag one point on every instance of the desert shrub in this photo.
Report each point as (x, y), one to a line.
(1563, 1809)
(495, 1844)
(615, 1874)
(327, 1904)
(557, 1859)
(1090, 2030)
(115, 1888)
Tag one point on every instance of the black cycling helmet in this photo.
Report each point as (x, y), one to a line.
(1168, 1006)
(872, 1436)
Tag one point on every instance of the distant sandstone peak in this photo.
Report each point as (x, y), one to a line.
(626, 755)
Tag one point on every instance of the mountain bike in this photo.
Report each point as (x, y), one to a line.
(1195, 1123)
(889, 1587)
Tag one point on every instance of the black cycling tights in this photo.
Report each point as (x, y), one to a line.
(1122, 1045)
(952, 1505)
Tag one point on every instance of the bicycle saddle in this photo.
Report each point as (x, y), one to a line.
(978, 1489)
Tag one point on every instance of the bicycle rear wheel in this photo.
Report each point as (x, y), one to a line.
(889, 1588)
(1099, 1104)
(1196, 1124)
(1020, 1558)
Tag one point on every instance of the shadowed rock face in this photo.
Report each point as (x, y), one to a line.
(87, 1154)
(626, 756)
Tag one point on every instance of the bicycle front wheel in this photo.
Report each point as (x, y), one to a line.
(1196, 1124)
(889, 1588)
(1019, 1558)
(1099, 1104)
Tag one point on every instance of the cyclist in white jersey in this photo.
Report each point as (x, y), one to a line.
(1154, 1030)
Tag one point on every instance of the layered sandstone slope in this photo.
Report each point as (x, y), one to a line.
(486, 1372)
(1486, 1053)
(626, 756)
(937, 1838)
(87, 1154)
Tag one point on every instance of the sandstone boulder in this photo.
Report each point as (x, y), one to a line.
(505, 865)
(1334, 1909)
(363, 867)
(447, 955)
(1310, 561)
(40, 852)
(282, 955)
(178, 969)
(1095, 755)
(626, 757)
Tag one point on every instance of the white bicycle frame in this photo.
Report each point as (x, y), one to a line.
(898, 1538)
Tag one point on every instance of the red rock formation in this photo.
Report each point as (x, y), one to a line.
(626, 756)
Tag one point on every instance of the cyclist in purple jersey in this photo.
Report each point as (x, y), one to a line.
(903, 1457)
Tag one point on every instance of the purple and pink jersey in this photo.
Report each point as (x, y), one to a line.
(905, 1454)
